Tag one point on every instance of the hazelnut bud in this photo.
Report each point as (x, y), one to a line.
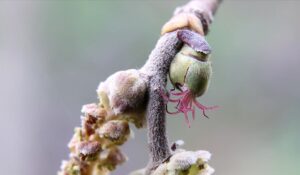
(190, 72)
(88, 149)
(122, 92)
(191, 69)
(183, 20)
(115, 131)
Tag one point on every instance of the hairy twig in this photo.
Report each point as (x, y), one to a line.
(157, 68)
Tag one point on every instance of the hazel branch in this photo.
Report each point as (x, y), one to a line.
(196, 15)
(157, 68)
(133, 96)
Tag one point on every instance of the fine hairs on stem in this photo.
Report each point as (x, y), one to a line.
(157, 68)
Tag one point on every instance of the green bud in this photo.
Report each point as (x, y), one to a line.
(191, 69)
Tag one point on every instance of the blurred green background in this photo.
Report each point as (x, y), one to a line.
(53, 54)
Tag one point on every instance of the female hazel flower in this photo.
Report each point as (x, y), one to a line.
(190, 72)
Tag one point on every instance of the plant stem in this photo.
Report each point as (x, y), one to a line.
(157, 68)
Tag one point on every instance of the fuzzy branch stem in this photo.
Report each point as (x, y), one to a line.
(157, 68)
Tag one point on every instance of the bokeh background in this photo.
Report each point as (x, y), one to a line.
(53, 54)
